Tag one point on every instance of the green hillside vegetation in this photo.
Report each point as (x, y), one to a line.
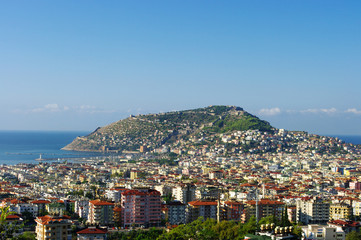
(247, 122)
(155, 130)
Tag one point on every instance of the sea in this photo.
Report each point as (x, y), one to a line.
(354, 139)
(27, 146)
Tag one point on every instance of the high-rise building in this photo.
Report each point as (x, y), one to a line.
(82, 208)
(185, 193)
(141, 207)
(264, 207)
(201, 208)
(176, 213)
(313, 211)
(356, 206)
(100, 212)
(340, 211)
(233, 210)
(114, 194)
(41, 203)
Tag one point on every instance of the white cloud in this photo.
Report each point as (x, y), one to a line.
(329, 111)
(320, 110)
(86, 107)
(353, 110)
(310, 110)
(52, 107)
(270, 111)
(91, 109)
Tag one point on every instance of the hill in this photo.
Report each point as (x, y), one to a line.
(156, 130)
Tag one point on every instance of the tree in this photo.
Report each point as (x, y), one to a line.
(168, 198)
(249, 227)
(7, 229)
(26, 236)
(353, 236)
(89, 195)
(297, 230)
(285, 222)
(27, 216)
(94, 189)
(269, 219)
(43, 212)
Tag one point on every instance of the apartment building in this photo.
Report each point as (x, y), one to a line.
(53, 228)
(201, 208)
(82, 208)
(313, 211)
(92, 233)
(184, 193)
(345, 226)
(264, 207)
(41, 203)
(340, 211)
(233, 210)
(100, 212)
(141, 207)
(176, 213)
(356, 207)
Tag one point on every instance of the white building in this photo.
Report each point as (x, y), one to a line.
(163, 189)
(312, 211)
(21, 208)
(321, 232)
(184, 193)
(82, 208)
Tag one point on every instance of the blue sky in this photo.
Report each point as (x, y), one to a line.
(77, 65)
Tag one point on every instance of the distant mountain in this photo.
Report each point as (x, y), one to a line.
(156, 130)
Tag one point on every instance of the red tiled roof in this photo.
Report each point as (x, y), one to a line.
(265, 202)
(101, 203)
(344, 223)
(233, 203)
(40, 202)
(46, 219)
(202, 203)
(92, 231)
(15, 201)
(12, 217)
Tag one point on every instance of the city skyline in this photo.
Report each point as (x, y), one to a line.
(80, 65)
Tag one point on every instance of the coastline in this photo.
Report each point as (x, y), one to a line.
(25, 146)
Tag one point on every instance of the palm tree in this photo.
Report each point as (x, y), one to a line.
(6, 229)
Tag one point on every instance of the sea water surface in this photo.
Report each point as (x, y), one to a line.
(354, 139)
(26, 146)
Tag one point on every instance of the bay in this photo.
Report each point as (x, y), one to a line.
(26, 146)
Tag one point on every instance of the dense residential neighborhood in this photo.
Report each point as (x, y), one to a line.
(315, 187)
